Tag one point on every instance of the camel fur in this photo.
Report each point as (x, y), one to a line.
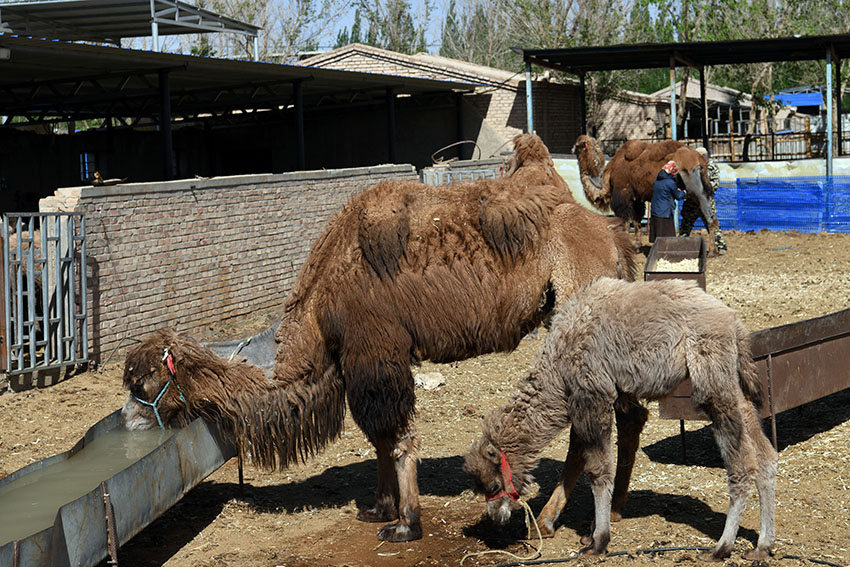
(591, 163)
(628, 178)
(404, 272)
(531, 164)
(612, 344)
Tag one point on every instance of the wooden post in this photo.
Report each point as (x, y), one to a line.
(731, 135)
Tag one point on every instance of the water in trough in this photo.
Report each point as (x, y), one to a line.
(29, 504)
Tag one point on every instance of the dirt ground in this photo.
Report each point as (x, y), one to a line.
(305, 515)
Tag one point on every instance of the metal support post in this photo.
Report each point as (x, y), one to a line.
(391, 124)
(829, 112)
(300, 151)
(528, 107)
(165, 125)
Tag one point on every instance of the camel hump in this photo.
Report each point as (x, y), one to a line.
(663, 151)
(383, 231)
(633, 148)
(513, 217)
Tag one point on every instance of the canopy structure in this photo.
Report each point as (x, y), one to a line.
(44, 81)
(581, 60)
(109, 21)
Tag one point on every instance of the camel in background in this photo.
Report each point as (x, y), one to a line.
(404, 272)
(625, 183)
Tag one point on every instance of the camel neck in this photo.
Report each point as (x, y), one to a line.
(536, 415)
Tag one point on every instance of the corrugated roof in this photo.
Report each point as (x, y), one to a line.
(578, 60)
(110, 20)
(51, 79)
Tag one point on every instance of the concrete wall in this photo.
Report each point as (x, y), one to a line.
(191, 255)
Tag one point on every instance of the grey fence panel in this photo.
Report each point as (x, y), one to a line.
(44, 292)
(447, 176)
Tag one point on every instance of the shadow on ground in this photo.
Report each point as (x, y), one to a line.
(792, 427)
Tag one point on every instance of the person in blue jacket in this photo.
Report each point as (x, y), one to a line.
(665, 193)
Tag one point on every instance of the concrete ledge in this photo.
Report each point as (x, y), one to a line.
(89, 192)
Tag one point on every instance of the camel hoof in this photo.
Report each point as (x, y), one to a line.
(376, 514)
(547, 529)
(757, 555)
(712, 556)
(590, 551)
(400, 532)
(616, 516)
(586, 540)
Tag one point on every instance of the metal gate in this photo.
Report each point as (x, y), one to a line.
(44, 292)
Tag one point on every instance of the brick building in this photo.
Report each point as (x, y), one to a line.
(494, 113)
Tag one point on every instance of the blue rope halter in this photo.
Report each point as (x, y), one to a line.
(155, 403)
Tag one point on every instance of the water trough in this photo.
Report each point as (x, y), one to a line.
(91, 527)
(78, 507)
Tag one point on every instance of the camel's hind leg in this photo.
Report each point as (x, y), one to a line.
(738, 449)
(766, 485)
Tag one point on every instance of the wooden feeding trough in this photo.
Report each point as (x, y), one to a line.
(669, 255)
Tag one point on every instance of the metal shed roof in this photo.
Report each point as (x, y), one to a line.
(110, 20)
(49, 80)
(579, 60)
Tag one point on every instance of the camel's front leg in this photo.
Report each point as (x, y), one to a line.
(573, 467)
(630, 422)
(592, 425)
(405, 456)
(638, 239)
(386, 496)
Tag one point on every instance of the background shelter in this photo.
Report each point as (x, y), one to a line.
(581, 60)
(70, 109)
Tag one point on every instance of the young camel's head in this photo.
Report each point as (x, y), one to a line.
(494, 477)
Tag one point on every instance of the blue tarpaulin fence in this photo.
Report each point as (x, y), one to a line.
(805, 204)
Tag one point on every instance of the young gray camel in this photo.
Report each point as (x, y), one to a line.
(614, 343)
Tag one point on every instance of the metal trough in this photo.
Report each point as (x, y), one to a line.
(676, 249)
(798, 363)
(92, 527)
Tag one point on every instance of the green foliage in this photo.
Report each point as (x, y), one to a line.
(390, 24)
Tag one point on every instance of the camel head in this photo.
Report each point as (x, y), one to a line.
(158, 383)
(693, 172)
(493, 476)
(591, 162)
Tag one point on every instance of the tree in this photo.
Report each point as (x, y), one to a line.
(391, 24)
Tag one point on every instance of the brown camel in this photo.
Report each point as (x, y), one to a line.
(404, 272)
(531, 164)
(625, 183)
(591, 163)
(612, 344)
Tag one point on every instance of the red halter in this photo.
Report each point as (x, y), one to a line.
(507, 480)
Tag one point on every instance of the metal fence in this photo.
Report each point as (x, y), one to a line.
(446, 176)
(44, 292)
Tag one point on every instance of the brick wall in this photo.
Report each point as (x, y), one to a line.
(194, 254)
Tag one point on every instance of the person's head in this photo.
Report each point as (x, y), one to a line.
(671, 168)
(702, 151)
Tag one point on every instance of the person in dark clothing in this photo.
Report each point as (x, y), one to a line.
(665, 193)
